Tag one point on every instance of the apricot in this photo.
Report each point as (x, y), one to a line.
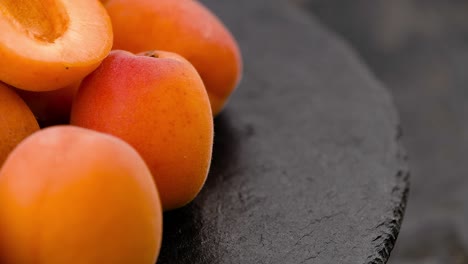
(49, 44)
(51, 107)
(185, 27)
(159, 105)
(16, 121)
(73, 195)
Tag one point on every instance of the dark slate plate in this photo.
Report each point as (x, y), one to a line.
(307, 164)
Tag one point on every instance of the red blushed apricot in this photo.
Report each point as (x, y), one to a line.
(187, 28)
(159, 105)
(16, 121)
(49, 44)
(73, 195)
(51, 107)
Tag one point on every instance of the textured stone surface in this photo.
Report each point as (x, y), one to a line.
(419, 49)
(307, 162)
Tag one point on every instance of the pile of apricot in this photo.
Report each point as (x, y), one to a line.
(106, 121)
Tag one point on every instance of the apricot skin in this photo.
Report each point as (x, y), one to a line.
(187, 28)
(159, 106)
(51, 107)
(16, 121)
(83, 197)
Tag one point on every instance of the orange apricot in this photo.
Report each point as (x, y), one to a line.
(51, 107)
(185, 27)
(49, 44)
(73, 195)
(159, 105)
(16, 121)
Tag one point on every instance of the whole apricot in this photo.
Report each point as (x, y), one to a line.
(73, 195)
(187, 28)
(16, 121)
(159, 105)
(49, 44)
(51, 107)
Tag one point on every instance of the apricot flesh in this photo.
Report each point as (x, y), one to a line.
(16, 121)
(83, 197)
(158, 104)
(49, 44)
(187, 28)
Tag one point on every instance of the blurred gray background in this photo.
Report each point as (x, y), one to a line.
(419, 50)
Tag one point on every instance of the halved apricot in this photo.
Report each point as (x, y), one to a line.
(49, 44)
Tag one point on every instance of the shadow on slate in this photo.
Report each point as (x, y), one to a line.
(307, 165)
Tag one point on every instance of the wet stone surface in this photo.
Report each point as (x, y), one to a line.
(307, 164)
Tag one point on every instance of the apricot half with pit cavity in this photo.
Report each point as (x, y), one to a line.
(49, 44)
